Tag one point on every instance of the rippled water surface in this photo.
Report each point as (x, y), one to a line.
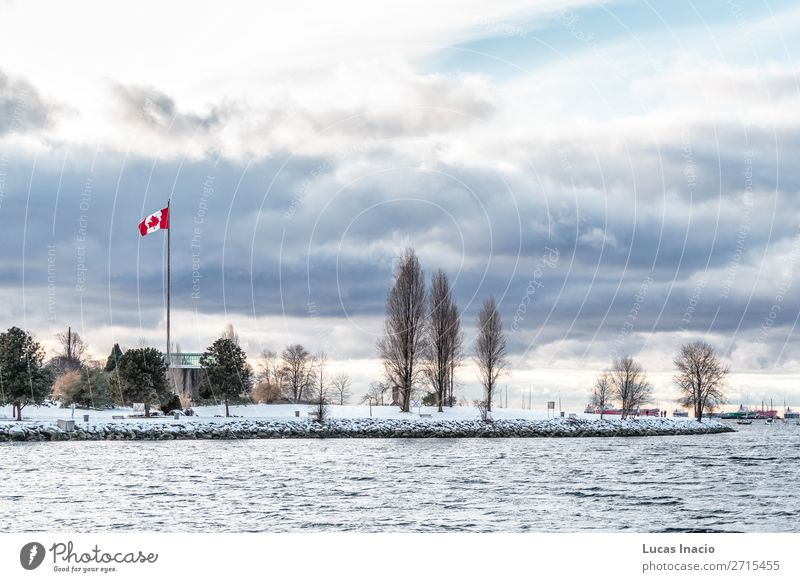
(746, 481)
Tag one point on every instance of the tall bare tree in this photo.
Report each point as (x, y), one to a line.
(175, 373)
(701, 377)
(443, 345)
(270, 369)
(490, 349)
(601, 394)
(629, 384)
(71, 353)
(320, 364)
(269, 378)
(456, 354)
(401, 347)
(341, 387)
(297, 371)
(230, 333)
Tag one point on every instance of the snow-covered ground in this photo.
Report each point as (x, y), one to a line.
(287, 412)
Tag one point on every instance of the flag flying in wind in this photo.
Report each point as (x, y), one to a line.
(155, 221)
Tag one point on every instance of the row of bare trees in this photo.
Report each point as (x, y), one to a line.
(422, 334)
(297, 375)
(423, 341)
(700, 378)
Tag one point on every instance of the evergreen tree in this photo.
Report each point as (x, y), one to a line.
(23, 378)
(113, 358)
(142, 374)
(226, 373)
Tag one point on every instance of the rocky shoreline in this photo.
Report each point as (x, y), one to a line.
(355, 428)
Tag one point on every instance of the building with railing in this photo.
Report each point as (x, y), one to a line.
(184, 372)
(185, 360)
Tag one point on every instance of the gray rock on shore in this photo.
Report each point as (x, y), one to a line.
(359, 428)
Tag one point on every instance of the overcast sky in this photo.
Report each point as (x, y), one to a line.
(621, 176)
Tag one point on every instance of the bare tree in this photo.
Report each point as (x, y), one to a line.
(72, 352)
(483, 410)
(230, 333)
(175, 372)
(443, 337)
(701, 377)
(490, 349)
(402, 345)
(321, 409)
(642, 394)
(270, 370)
(601, 394)
(456, 352)
(341, 387)
(629, 384)
(376, 393)
(269, 376)
(298, 371)
(320, 363)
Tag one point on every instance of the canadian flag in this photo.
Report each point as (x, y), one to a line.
(155, 221)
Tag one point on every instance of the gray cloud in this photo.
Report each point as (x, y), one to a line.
(22, 109)
(159, 112)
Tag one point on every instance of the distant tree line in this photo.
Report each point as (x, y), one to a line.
(140, 374)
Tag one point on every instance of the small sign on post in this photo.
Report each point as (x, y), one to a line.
(551, 405)
(138, 408)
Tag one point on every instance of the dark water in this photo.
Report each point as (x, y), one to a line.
(746, 481)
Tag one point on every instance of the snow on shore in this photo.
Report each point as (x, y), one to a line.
(279, 421)
(287, 412)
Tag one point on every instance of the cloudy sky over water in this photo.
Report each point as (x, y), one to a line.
(621, 176)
